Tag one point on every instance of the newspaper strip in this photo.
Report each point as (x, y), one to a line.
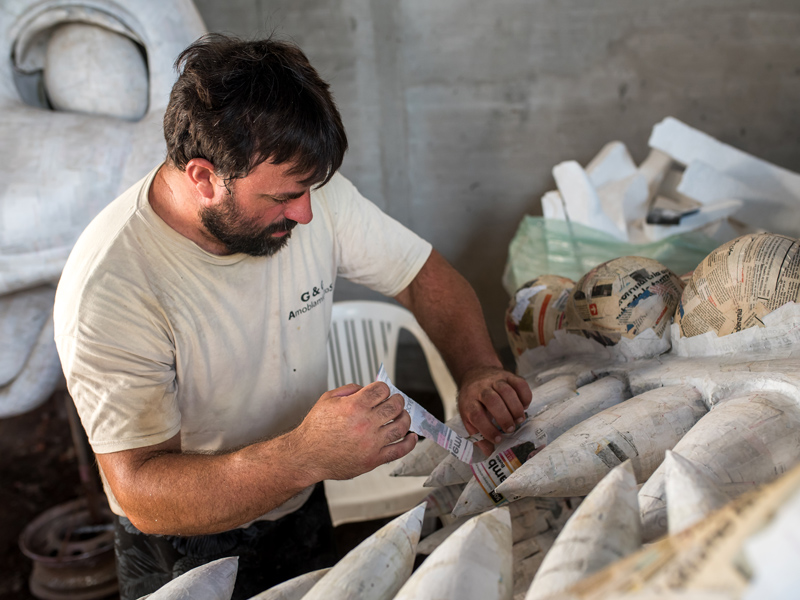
(739, 283)
(494, 471)
(622, 298)
(428, 426)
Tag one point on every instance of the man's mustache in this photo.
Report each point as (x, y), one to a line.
(280, 226)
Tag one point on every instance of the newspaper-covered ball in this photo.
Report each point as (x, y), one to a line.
(536, 311)
(740, 282)
(623, 297)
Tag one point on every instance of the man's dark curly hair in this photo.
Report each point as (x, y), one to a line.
(238, 103)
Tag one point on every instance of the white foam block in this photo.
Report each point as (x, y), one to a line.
(706, 184)
(612, 163)
(779, 189)
(553, 206)
(582, 204)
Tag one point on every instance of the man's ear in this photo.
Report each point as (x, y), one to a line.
(201, 176)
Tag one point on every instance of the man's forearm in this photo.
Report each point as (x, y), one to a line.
(448, 310)
(175, 493)
(349, 431)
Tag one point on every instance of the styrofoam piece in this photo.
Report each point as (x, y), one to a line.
(654, 169)
(479, 494)
(741, 443)
(378, 566)
(582, 204)
(779, 188)
(642, 429)
(427, 454)
(690, 494)
(603, 529)
(553, 206)
(709, 213)
(625, 200)
(474, 562)
(707, 185)
(22, 316)
(293, 589)
(669, 188)
(37, 380)
(611, 164)
(212, 581)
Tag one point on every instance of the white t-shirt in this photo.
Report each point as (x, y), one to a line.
(158, 336)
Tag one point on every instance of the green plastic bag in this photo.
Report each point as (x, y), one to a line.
(553, 247)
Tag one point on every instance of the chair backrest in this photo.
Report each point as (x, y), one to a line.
(365, 334)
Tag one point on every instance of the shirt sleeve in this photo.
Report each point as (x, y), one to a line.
(372, 248)
(119, 367)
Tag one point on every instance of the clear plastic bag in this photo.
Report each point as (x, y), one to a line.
(553, 247)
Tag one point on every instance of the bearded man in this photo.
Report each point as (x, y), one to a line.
(201, 389)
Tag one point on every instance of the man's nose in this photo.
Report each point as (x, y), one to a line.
(299, 209)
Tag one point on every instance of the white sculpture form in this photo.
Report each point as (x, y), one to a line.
(81, 104)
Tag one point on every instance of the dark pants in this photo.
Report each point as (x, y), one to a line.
(269, 551)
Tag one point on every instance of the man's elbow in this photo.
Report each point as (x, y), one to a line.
(149, 524)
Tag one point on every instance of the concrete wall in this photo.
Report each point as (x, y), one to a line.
(457, 110)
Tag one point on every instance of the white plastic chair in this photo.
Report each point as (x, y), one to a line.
(363, 335)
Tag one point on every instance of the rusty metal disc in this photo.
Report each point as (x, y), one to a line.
(73, 558)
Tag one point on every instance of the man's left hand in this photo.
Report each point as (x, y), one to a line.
(491, 393)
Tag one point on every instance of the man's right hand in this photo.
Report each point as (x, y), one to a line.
(352, 430)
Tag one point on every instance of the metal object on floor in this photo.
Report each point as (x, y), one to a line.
(73, 557)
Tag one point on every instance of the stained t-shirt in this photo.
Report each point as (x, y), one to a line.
(157, 336)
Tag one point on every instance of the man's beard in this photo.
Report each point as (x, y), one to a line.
(227, 224)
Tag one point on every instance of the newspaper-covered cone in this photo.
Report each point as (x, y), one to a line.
(699, 562)
(528, 556)
(691, 495)
(479, 495)
(474, 562)
(739, 283)
(622, 298)
(422, 460)
(552, 392)
(741, 443)
(441, 501)
(294, 589)
(213, 581)
(603, 529)
(450, 471)
(378, 566)
(536, 311)
(430, 543)
(642, 429)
